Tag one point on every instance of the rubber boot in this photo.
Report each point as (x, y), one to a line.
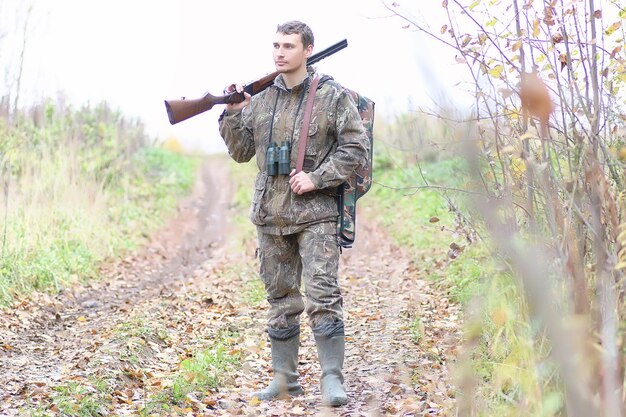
(284, 363)
(331, 352)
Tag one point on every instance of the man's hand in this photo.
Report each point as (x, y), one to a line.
(231, 108)
(300, 183)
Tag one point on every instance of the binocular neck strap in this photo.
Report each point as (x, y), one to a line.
(304, 130)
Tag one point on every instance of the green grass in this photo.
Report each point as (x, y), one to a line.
(50, 246)
(421, 219)
(244, 239)
(82, 400)
(416, 327)
(138, 327)
(91, 398)
(243, 176)
(463, 277)
(204, 371)
(254, 291)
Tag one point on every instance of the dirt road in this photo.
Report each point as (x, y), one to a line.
(120, 341)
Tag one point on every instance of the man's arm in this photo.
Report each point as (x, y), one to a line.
(352, 146)
(235, 129)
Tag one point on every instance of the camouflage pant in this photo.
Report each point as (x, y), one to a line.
(312, 256)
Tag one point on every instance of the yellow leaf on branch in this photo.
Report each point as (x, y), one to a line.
(496, 71)
(518, 165)
(536, 28)
(611, 29)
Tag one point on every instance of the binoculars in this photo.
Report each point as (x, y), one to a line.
(278, 159)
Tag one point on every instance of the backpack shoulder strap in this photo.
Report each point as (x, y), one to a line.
(304, 130)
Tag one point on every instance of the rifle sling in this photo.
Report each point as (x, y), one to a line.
(304, 130)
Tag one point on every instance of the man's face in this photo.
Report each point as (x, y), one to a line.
(289, 53)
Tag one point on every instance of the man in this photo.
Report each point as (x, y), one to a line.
(296, 214)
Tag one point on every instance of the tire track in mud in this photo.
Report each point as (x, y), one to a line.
(42, 337)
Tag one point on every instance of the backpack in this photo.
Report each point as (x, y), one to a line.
(358, 184)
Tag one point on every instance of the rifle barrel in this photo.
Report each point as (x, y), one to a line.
(256, 87)
(315, 58)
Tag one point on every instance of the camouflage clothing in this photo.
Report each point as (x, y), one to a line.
(312, 256)
(298, 233)
(337, 145)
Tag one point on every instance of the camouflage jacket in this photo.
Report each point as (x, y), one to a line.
(337, 145)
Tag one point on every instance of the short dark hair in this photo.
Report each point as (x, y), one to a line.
(295, 26)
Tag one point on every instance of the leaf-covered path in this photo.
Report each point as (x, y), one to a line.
(116, 347)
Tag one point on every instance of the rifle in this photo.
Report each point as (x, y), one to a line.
(183, 109)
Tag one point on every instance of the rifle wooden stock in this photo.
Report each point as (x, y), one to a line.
(183, 109)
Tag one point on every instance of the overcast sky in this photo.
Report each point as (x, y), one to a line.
(134, 54)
